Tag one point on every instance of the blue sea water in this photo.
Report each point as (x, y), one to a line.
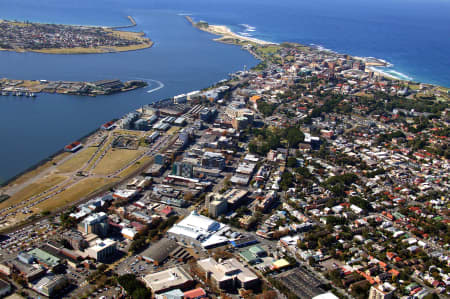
(413, 35)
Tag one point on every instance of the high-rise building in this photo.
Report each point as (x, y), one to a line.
(183, 169)
(95, 224)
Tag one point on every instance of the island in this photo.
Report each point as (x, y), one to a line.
(30, 88)
(69, 39)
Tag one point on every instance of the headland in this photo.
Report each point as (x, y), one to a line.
(227, 36)
(69, 39)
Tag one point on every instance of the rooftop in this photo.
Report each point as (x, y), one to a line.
(167, 279)
(44, 257)
(227, 269)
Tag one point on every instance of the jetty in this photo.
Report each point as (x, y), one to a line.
(133, 24)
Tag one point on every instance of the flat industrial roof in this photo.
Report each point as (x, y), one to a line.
(170, 278)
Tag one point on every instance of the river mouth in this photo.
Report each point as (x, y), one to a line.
(182, 60)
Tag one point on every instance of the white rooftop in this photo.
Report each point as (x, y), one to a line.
(101, 244)
(170, 278)
(200, 228)
(328, 295)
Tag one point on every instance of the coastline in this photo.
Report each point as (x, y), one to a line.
(229, 37)
(144, 42)
(225, 33)
(226, 37)
(102, 50)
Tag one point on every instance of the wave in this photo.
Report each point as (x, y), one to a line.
(321, 48)
(248, 27)
(183, 14)
(391, 73)
(388, 64)
(160, 84)
(401, 75)
(246, 34)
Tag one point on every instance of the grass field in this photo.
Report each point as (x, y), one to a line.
(104, 146)
(127, 132)
(74, 193)
(114, 160)
(28, 175)
(77, 161)
(80, 50)
(33, 189)
(272, 49)
(135, 166)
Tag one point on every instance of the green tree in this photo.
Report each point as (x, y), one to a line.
(291, 162)
(141, 293)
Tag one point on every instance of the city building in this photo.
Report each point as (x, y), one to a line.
(197, 293)
(213, 160)
(5, 288)
(75, 240)
(101, 250)
(382, 291)
(27, 271)
(129, 233)
(160, 251)
(327, 295)
(44, 258)
(173, 278)
(198, 230)
(73, 147)
(253, 255)
(126, 194)
(183, 169)
(50, 284)
(216, 205)
(95, 224)
(229, 274)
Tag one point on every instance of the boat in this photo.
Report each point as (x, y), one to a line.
(32, 94)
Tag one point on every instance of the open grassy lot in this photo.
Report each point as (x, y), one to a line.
(271, 49)
(28, 175)
(135, 166)
(74, 193)
(127, 132)
(33, 189)
(77, 161)
(115, 159)
(80, 50)
(104, 146)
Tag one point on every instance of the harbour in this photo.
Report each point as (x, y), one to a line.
(32, 130)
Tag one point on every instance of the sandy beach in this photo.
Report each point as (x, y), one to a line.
(226, 33)
(382, 74)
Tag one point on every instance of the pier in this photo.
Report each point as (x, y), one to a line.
(133, 24)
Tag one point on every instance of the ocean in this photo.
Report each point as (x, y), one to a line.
(413, 35)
